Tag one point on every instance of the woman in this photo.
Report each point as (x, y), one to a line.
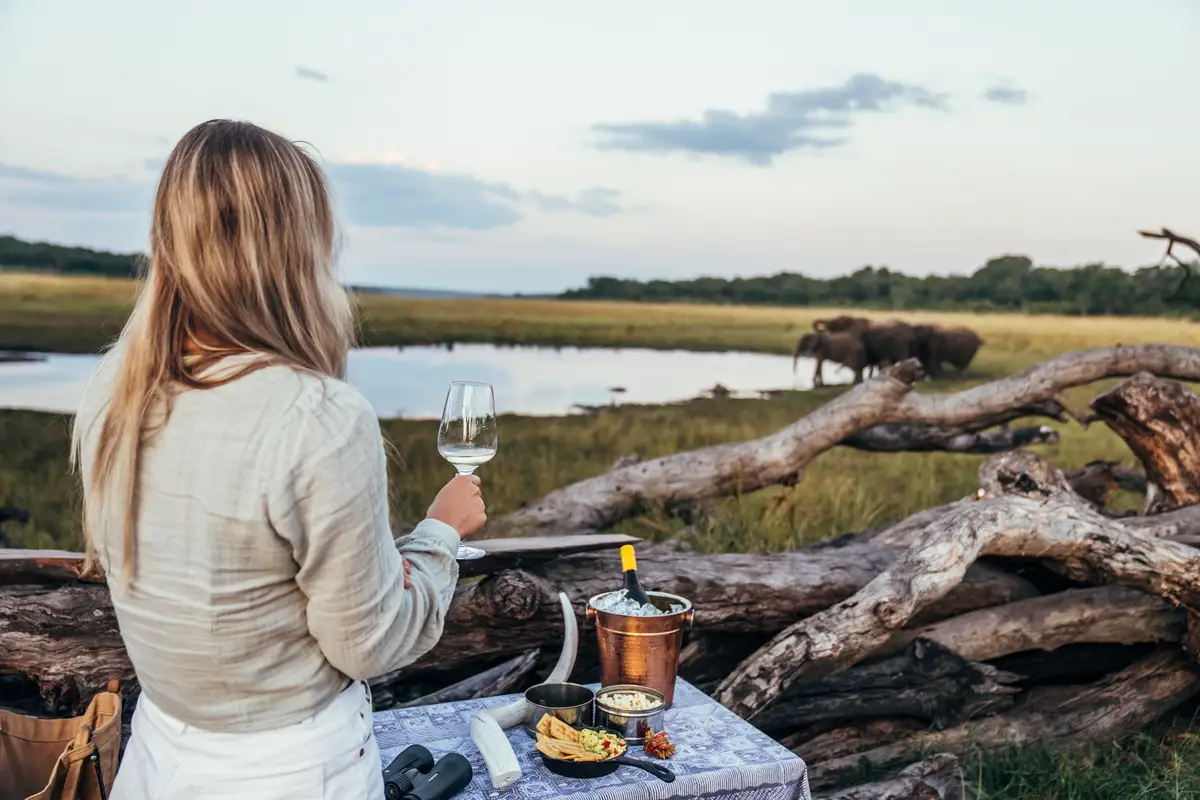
(235, 493)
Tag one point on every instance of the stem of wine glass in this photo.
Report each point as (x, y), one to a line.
(466, 552)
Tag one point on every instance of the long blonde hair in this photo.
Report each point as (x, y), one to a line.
(242, 249)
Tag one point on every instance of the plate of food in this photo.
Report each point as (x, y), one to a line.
(588, 752)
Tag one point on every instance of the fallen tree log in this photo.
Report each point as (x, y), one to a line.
(1060, 716)
(927, 681)
(1045, 522)
(1112, 614)
(938, 777)
(598, 502)
(504, 614)
(930, 438)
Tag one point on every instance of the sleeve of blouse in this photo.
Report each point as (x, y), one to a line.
(328, 499)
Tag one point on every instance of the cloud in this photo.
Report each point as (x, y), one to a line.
(1006, 95)
(597, 201)
(369, 195)
(310, 74)
(397, 196)
(51, 190)
(791, 121)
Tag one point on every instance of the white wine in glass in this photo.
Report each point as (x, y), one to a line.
(467, 437)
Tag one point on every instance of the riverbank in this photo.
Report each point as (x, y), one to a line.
(81, 315)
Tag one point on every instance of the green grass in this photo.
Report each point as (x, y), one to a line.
(841, 491)
(1146, 767)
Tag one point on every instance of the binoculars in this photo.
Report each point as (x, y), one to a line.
(413, 775)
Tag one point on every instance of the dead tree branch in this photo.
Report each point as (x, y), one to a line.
(1173, 239)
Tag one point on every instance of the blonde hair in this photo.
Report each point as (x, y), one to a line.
(241, 261)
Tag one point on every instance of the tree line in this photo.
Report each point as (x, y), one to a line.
(45, 257)
(1008, 283)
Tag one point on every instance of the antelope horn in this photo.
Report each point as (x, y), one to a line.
(487, 728)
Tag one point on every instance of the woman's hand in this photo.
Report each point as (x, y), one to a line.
(460, 505)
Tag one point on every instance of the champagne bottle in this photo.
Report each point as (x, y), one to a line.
(633, 587)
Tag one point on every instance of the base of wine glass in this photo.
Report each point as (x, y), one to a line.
(468, 553)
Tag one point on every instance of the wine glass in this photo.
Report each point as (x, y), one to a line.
(467, 437)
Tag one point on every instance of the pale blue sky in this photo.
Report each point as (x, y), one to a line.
(524, 145)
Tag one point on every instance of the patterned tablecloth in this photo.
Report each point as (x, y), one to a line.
(717, 755)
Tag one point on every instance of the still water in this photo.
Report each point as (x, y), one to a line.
(411, 382)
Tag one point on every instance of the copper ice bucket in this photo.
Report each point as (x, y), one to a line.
(642, 650)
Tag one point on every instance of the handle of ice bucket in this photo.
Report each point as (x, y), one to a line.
(688, 617)
(591, 613)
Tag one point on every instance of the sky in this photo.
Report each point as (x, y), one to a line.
(524, 145)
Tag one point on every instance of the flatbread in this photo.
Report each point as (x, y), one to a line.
(555, 728)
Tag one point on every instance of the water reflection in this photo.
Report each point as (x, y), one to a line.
(411, 382)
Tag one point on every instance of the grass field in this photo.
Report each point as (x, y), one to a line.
(842, 491)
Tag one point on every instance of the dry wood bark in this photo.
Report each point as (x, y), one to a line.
(938, 777)
(504, 614)
(923, 439)
(597, 502)
(1113, 614)
(927, 681)
(65, 639)
(1160, 421)
(1047, 522)
(850, 739)
(1059, 716)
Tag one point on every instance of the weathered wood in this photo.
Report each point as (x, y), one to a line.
(499, 680)
(597, 502)
(927, 681)
(1059, 716)
(1049, 523)
(66, 640)
(938, 777)
(513, 611)
(850, 739)
(895, 438)
(1113, 614)
(1160, 421)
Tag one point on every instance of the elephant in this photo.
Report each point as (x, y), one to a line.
(842, 324)
(887, 344)
(842, 348)
(934, 345)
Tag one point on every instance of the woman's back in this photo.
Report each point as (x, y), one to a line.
(233, 494)
(236, 492)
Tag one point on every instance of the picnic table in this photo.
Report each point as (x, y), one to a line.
(717, 755)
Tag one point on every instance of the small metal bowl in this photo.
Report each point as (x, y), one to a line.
(572, 703)
(630, 725)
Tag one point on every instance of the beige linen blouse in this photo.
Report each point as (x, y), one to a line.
(266, 569)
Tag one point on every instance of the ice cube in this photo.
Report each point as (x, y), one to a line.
(619, 603)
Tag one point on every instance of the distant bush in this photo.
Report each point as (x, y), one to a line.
(45, 257)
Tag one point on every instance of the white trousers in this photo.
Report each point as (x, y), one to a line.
(332, 755)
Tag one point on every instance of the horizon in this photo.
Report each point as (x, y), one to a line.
(526, 149)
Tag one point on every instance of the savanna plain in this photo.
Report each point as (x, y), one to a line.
(842, 491)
